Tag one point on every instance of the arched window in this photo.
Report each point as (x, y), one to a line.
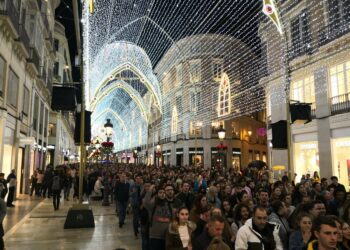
(224, 102)
(174, 120)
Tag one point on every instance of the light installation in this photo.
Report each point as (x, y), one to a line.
(171, 55)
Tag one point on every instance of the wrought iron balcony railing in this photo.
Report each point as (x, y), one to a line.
(340, 104)
(24, 38)
(34, 58)
(7, 8)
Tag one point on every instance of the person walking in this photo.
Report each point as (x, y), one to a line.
(33, 182)
(135, 201)
(122, 196)
(3, 211)
(3, 186)
(12, 181)
(56, 190)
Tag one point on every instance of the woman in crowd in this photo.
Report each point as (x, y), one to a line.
(299, 238)
(346, 236)
(179, 235)
(199, 203)
(242, 214)
(227, 211)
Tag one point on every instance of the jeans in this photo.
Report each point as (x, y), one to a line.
(145, 237)
(122, 205)
(56, 199)
(157, 244)
(66, 191)
(136, 218)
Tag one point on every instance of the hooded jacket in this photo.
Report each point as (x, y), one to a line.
(249, 239)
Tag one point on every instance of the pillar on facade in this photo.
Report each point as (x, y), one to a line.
(323, 131)
(207, 156)
(186, 156)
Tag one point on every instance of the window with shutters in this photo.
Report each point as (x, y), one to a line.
(36, 112)
(2, 75)
(224, 107)
(179, 103)
(12, 89)
(195, 71)
(340, 82)
(217, 68)
(194, 100)
(300, 35)
(26, 101)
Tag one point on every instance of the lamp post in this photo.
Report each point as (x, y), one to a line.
(158, 153)
(109, 131)
(135, 156)
(221, 134)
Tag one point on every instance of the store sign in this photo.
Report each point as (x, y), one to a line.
(342, 144)
(308, 146)
(27, 140)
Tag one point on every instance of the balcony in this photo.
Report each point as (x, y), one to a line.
(340, 104)
(300, 50)
(45, 21)
(34, 58)
(7, 8)
(181, 137)
(49, 81)
(57, 78)
(24, 38)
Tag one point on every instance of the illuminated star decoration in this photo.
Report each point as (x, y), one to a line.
(269, 9)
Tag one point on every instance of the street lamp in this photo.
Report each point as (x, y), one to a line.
(158, 154)
(109, 129)
(135, 156)
(221, 134)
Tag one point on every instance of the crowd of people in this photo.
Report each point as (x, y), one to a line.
(196, 209)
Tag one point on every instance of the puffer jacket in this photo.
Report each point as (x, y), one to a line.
(247, 238)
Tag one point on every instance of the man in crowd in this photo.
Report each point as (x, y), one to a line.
(122, 196)
(135, 201)
(326, 233)
(212, 235)
(258, 233)
(336, 185)
(3, 186)
(12, 181)
(185, 196)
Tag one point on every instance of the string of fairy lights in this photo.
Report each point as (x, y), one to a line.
(180, 47)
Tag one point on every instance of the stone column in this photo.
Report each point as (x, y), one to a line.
(322, 113)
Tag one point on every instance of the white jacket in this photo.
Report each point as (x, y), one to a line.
(247, 234)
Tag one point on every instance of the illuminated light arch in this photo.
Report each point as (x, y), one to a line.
(224, 100)
(116, 116)
(143, 78)
(120, 84)
(174, 120)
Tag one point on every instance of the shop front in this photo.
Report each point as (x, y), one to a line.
(196, 156)
(341, 159)
(8, 149)
(306, 158)
(166, 157)
(236, 158)
(179, 157)
(218, 157)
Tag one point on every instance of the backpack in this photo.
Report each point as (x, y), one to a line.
(56, 185)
